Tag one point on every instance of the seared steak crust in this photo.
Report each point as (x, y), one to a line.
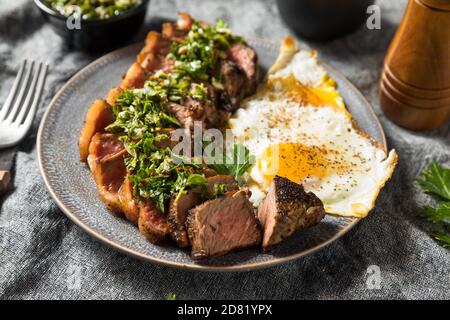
(287, 208)
(152, 222)
(178, 210)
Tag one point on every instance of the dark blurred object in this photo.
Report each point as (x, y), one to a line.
(415, 83)
(96, 35)
(323, 19)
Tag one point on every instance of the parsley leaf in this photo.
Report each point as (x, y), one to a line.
(439, 214)
(236, 162)
(436, 180)
(443, 238)
(171, 296)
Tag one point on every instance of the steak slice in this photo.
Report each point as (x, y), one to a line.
(178, 210)
(224, 224)
(129, 204)
(287, 208)
(229, 183)
(135, 77)
(234, 80)
(153, 56)
(98, 117)
(113, 95)
(247, 60)
(179, 206)
(107, 165)
(152, 222)
(187, 113)
(177, 31)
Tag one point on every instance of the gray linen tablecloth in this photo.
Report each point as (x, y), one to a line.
(43, 255)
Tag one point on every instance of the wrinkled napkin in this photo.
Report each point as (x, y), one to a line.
(387, 255)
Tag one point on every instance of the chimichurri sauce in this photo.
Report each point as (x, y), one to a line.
(92, 9)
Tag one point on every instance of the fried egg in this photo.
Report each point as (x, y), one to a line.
(297, 127)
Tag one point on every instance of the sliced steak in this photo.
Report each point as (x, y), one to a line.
(208, 172)
(247, 60)
(234, 80)
(113, 94)
(245, 57)
(215, 116)
(188, 113)
(177, 31)
(107, 165)
(179, 207)
(153, 56)
(213, 182)
(152, 222)
(134, 78)
(222, 225)
(287, 208)
(178, 211)
(129, 204)
(99, 116)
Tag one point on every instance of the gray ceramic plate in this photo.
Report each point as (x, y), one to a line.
(71, 185)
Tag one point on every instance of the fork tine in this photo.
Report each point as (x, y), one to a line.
(40, 86)
(13, 92)
(18, 102)
(31, 91)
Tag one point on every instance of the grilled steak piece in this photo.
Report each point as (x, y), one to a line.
(135, 77)
(153, 56)
(234, 80)
(287, 208)
(178, 211)
(129, 204)
(113, 94)
(99, 116)
(245, 57)
(152, 222)
(177, 31)
(107, 165)
(208, 172)
(179, 207)
(240, 75)
(224, 224)
(188, 112)
(212, 182)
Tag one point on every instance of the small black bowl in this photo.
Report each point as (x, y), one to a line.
(96, 34)
(323, 19)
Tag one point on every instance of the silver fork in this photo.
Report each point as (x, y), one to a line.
(19, 109)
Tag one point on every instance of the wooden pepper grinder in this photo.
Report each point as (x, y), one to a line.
(415, 83)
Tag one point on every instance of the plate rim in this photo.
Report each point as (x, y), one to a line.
(195, 267)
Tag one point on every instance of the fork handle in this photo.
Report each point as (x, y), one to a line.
(5, 178)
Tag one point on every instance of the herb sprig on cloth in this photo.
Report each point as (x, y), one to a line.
(436, 181)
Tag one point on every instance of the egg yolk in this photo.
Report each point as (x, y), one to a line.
(325, 94)
(293, 161)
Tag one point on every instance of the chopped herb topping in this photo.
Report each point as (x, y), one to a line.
(92, 9)
(141, 115)
(198, 55)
